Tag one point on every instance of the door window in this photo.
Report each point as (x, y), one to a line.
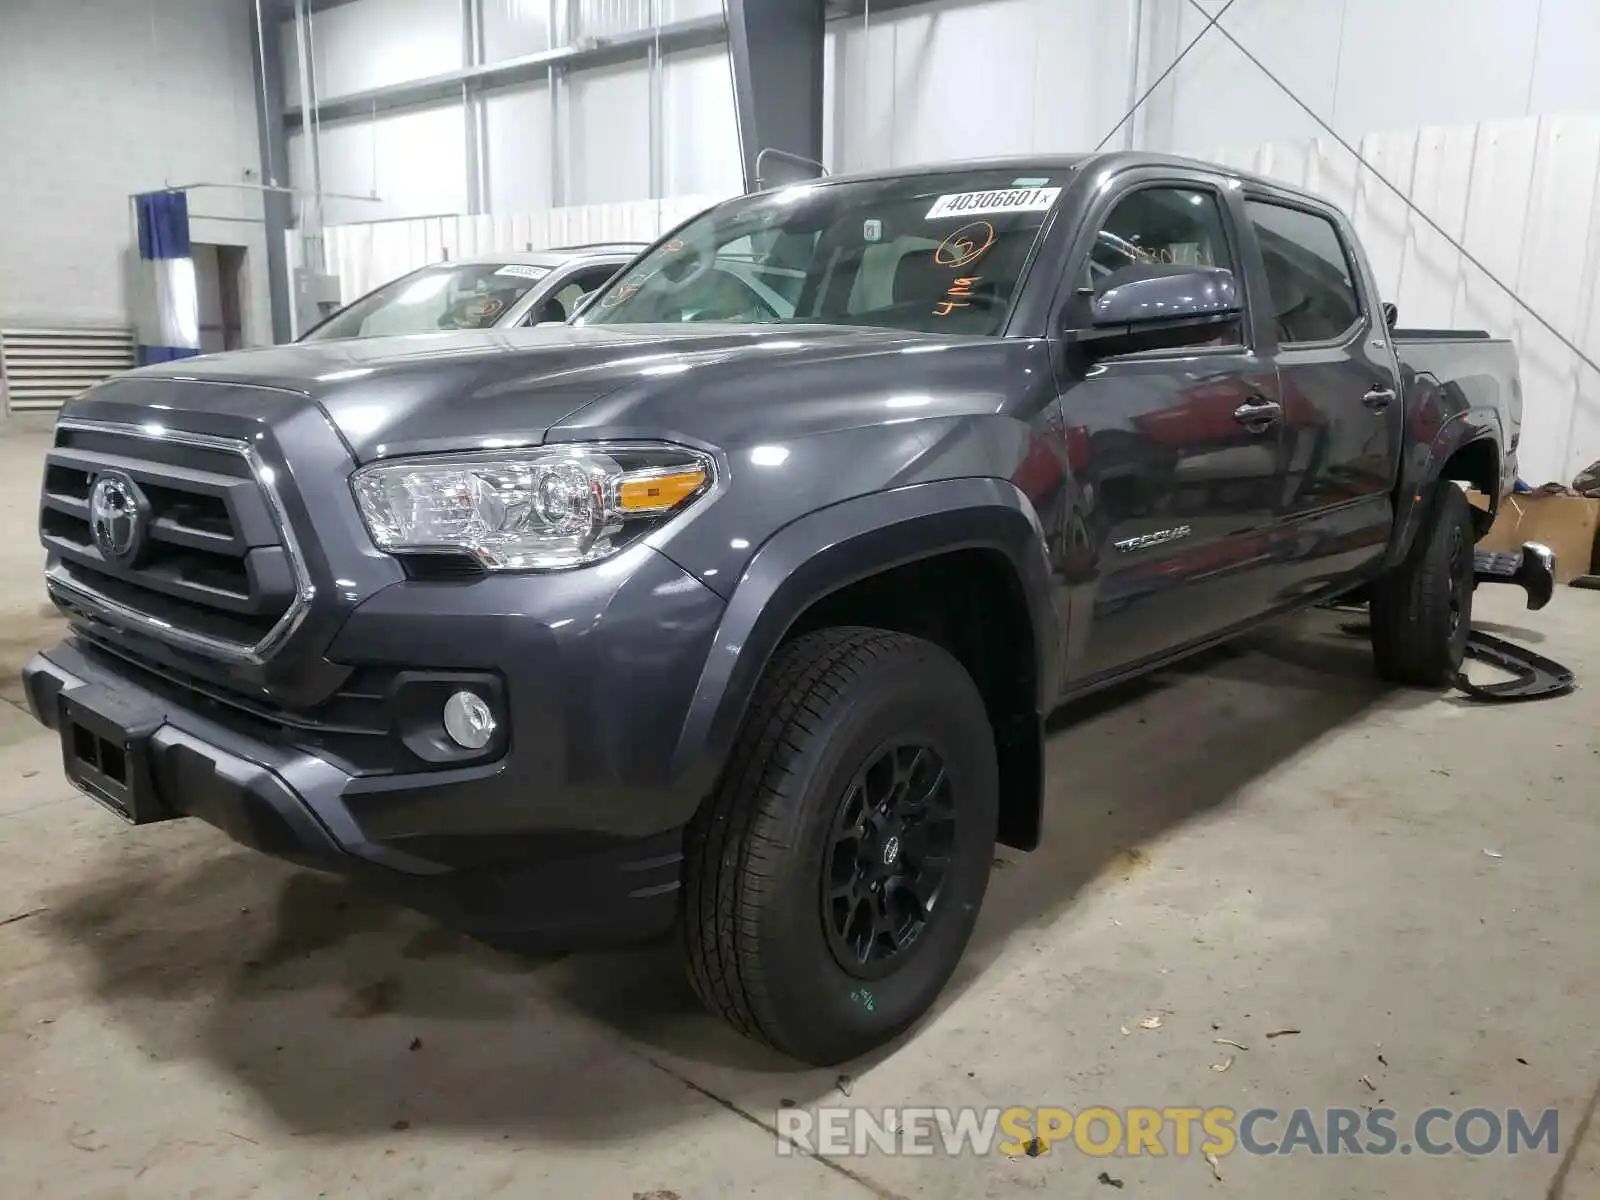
(1163, 225)
(1309, 277)
(576, 286)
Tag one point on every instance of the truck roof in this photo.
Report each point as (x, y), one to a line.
(555, 256)
(1035, 164)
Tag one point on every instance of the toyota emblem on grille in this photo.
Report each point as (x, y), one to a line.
(117, 517)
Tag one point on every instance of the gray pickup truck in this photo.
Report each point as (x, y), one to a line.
(738, 602)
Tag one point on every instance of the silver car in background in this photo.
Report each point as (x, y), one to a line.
(492, 291)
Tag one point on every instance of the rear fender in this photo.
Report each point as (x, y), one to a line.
(833, 548)
(1437, 426)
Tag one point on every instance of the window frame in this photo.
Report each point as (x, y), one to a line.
(559, 279)
(1335, 220)
(1074, 303)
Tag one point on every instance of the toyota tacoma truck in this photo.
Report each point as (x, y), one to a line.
(737, 603)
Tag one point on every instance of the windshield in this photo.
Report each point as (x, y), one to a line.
(462, 296)
(934, 253)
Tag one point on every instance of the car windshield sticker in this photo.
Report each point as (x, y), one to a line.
(965, 245)
(957, 296)
(1002, 200)
(872, 230)
(523, 271)
(618, 294)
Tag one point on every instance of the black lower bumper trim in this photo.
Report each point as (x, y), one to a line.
(569, 889)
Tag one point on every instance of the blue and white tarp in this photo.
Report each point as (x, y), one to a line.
(171, 328)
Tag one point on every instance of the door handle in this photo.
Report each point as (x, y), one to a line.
(1258, 414)
(1378, 398)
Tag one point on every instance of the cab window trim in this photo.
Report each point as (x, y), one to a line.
(1069, 293)
(1357, 328)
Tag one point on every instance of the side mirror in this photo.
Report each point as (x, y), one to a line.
(1159, 306)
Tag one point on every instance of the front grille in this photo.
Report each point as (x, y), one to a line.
(216, 569)
(352, 727)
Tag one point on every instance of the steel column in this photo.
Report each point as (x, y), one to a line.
(776, 46)
(472, 111)
(276, 206)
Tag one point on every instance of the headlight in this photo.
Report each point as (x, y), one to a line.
(537, 509)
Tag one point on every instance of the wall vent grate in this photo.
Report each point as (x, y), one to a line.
(41, 369)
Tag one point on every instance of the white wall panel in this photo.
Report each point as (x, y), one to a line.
(1434, 62)
(517, 122)
(700, 128)
(1497, 203)
(942, 98)
(414, 160)
(969, 78)
(101, 98)
(371, 43)
(1218, 95)
(1564, 75)
(859, 113)
(604, 18)
(1383, 216)
(512, 28)
(609, 122)
(1431, 265)
(1365, 66)
(1080, 72)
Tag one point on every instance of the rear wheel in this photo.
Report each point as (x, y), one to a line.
(834, 876)
(1422, 610)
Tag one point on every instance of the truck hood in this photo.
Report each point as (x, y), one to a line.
(494, 388)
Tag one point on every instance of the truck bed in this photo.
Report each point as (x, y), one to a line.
(1472, 373)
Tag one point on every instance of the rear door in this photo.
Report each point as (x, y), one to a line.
(1176, 452)
(1339, 389)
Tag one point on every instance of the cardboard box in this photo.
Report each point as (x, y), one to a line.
(1566, 524)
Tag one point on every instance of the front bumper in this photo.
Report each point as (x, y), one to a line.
(562, 887)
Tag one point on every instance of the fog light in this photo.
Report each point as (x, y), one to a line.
(469, 720)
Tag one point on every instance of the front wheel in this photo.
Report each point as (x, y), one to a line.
(833, 878)
(1422, 610)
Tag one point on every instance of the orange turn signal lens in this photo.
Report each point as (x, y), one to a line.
(658, 491)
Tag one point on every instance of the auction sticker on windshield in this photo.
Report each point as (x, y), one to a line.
(522, 271)
(1002, 200)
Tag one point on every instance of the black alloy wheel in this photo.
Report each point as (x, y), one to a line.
(889, 853)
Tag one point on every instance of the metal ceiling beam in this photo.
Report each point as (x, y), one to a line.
(286, 7)
(677, 35)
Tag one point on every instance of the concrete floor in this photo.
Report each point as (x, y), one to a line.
(1267, 839)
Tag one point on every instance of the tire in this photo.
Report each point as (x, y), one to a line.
(1422, 610)
(765, 948)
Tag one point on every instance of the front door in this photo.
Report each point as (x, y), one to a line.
(1340, 394)
(1177, 453)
